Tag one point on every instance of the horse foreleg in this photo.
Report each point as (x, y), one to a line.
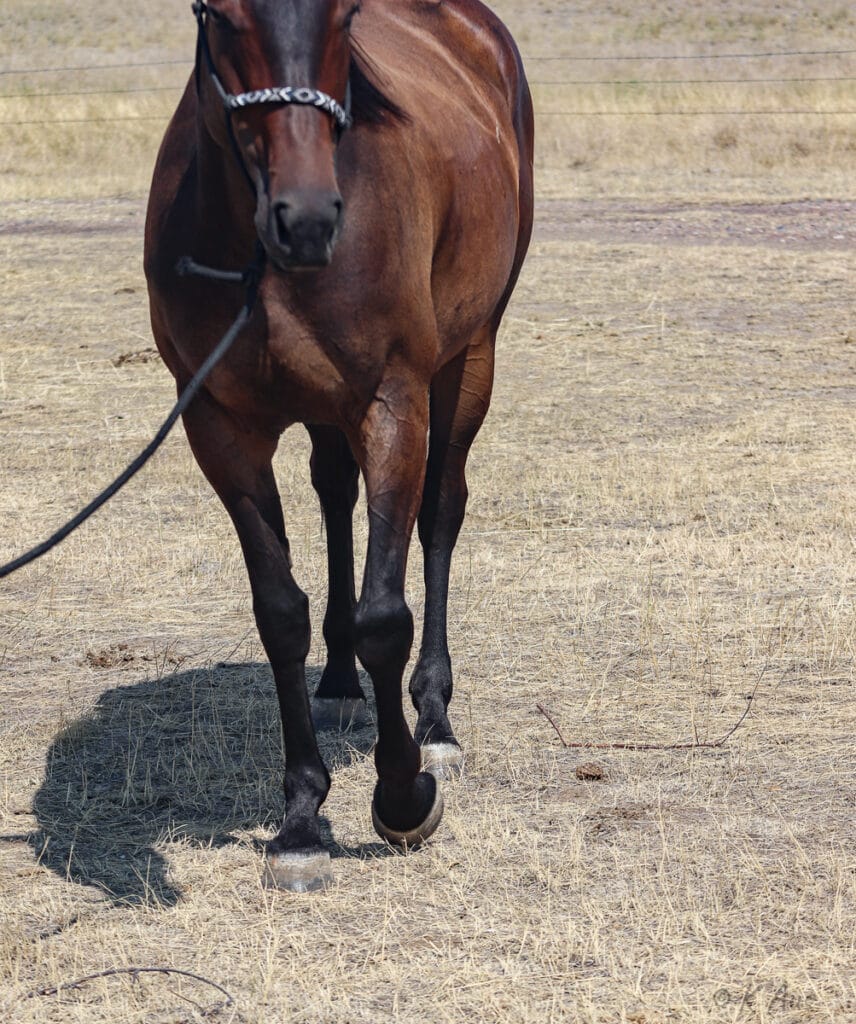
(390, 447)
(460, 395)
(237, 462)
(339, 700)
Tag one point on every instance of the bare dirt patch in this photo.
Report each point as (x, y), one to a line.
(827, 225)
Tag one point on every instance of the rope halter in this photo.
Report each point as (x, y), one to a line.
(302, 95)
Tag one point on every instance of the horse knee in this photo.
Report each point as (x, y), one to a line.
(283, 620)
(384, 633)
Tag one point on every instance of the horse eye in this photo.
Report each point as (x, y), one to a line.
(219, 18)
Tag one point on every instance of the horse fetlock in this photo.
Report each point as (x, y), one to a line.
(306, 788)
(339, 702)
(431, 692)
(339, 638)
(431, 682)
(433, 725)
(340, 680)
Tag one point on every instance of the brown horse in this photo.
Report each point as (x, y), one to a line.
(381, 155)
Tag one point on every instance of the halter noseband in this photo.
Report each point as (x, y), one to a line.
(302, 95)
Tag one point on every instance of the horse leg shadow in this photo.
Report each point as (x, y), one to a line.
(195, 756)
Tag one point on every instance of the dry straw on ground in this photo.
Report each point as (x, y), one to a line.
(661, 515)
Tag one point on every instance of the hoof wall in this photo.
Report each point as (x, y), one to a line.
(342, 715)
(413, 838)
(298, 872)
(445, 761)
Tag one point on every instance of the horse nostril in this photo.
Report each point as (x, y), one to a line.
(282, 223)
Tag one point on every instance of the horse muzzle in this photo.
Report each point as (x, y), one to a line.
(300, 229)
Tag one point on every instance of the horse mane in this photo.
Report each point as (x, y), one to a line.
(369, 102)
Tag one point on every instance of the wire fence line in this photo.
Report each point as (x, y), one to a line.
(692, 81)
(163, 118)
(700, 56)
(569, 58)
(634, 83)
(692, 113)
(88, 120)
(91, 92)
(94, 67)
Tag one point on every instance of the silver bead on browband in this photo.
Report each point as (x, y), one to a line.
(289, 94)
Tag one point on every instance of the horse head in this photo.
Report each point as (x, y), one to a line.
(280, 70)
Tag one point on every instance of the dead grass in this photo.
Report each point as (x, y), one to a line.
(661, 515)
(627, 120)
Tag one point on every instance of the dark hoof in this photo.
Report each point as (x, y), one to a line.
(329, 713)
(298, 872)
(410, 838)
(445, 761)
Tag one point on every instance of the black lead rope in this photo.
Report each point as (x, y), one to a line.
(250, 278)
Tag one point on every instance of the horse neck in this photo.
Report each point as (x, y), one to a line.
(226, 203)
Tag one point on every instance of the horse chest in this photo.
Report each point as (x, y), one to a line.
(284, 372)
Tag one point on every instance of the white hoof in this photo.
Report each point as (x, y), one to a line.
(416, 836)
(342, 715)
(298, 872)
(445, 761)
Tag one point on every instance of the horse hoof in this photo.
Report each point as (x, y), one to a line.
(445, 761)
(329, 713)
(298, 872)
(413, 837)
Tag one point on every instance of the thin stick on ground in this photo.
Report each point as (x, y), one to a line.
(695, 745)
(134, 972)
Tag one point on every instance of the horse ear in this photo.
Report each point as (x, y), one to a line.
(369, 103)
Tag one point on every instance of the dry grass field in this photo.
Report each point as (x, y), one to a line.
(661, 524)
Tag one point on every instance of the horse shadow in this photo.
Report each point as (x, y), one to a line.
(193, 756)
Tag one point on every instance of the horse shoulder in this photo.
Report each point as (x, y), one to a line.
(170, 180)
